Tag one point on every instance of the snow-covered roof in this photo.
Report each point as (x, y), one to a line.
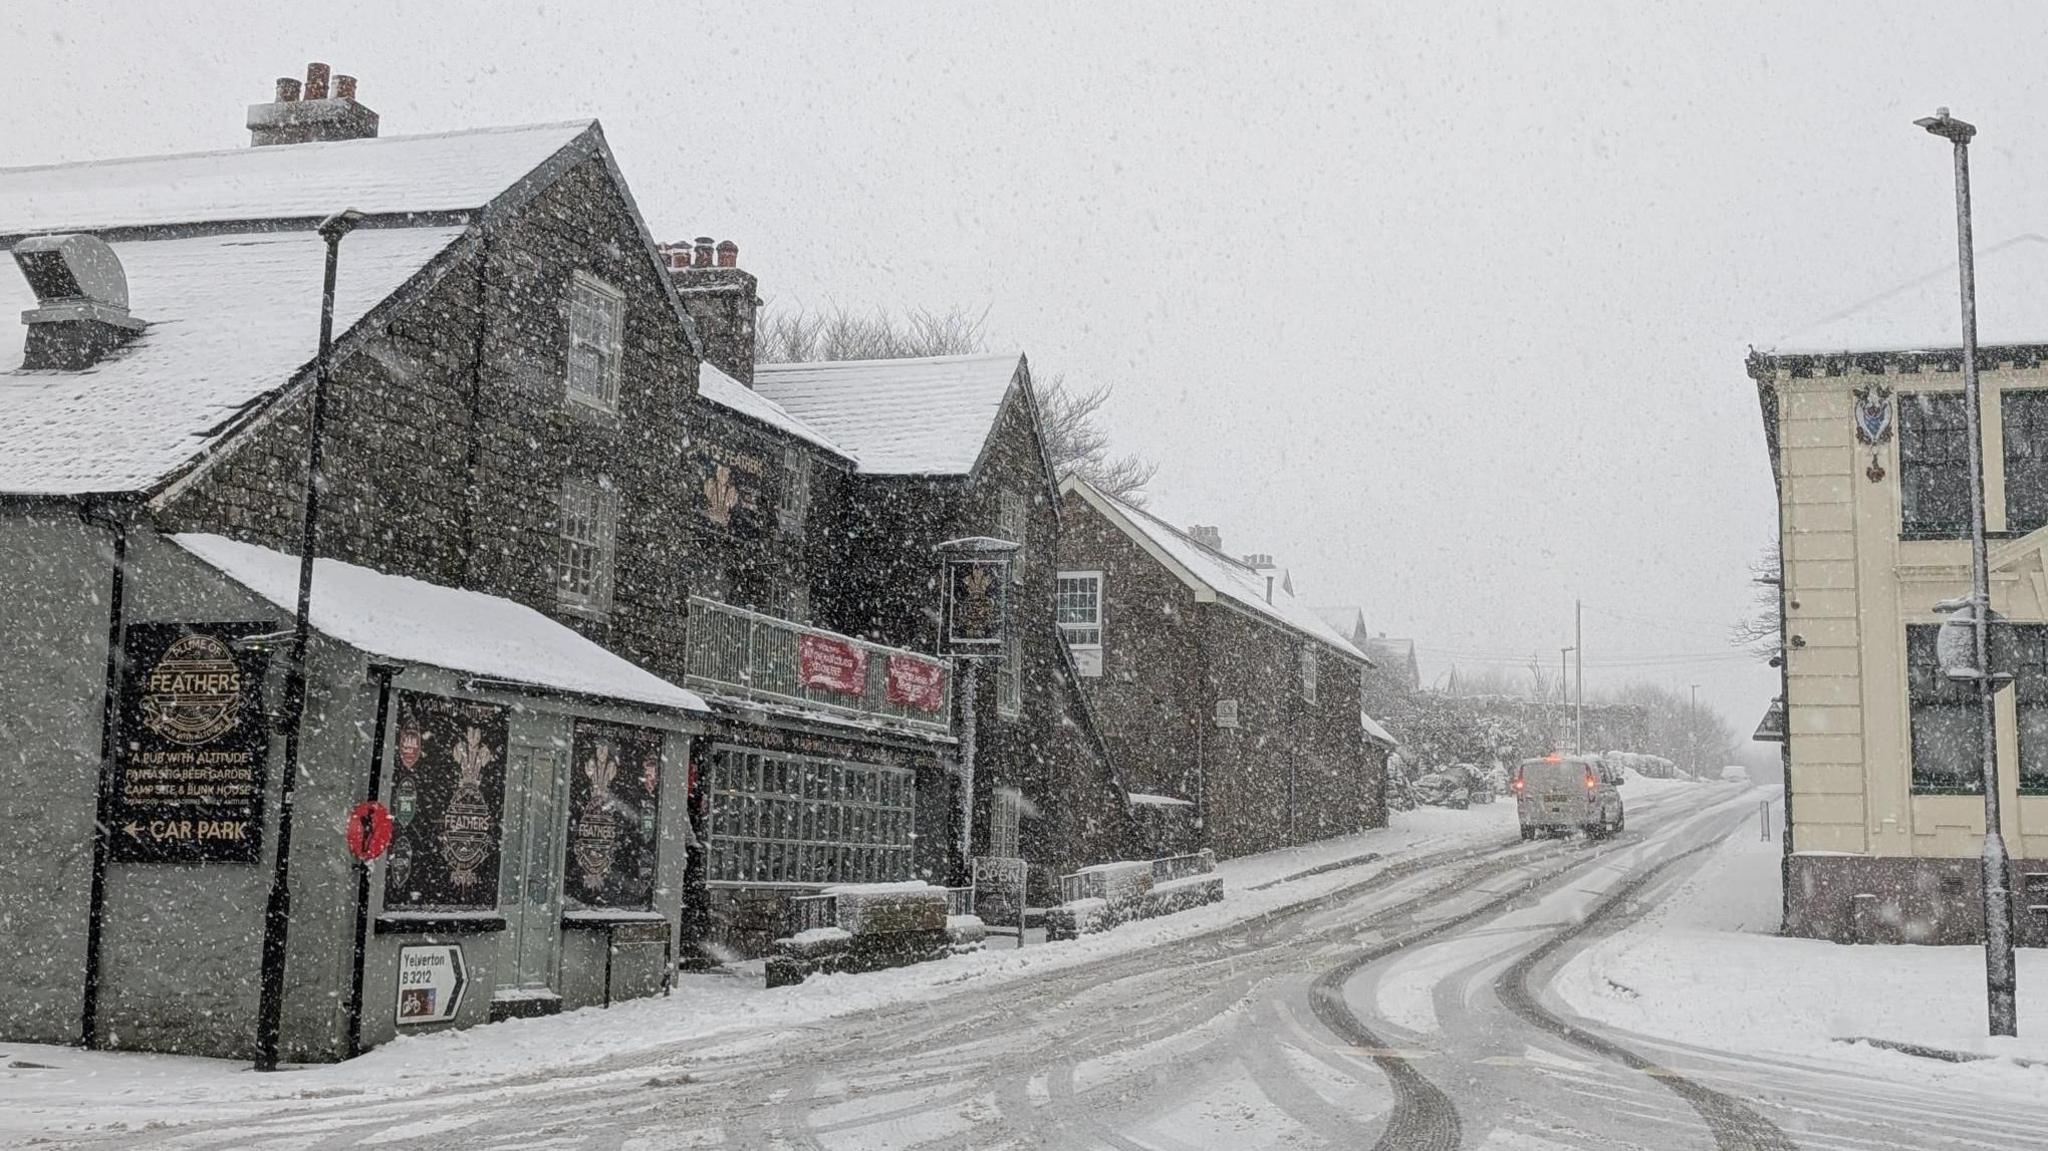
(1346, 621)
(1395, 649)
(1375, 732)
(441, 172)
(929, 416)
(1227, 577)
(1142, 799)
(1925, 313)
(231, 317)
(412, 621)
(726, 392)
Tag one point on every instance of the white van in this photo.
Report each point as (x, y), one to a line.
(1562, 793)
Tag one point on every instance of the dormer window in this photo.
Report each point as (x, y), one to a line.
(597, 334)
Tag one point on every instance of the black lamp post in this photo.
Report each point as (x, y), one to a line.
(1999, 976)
(277, 909)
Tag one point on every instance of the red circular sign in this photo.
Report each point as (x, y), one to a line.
(369, 830)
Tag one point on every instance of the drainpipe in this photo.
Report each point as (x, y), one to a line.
(277, 908)
(110, 719)
(472, 459)
(382, 673)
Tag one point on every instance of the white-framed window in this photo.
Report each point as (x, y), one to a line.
(1308, 675)
(1016, 527)
(796, 490)
(589, 524)
(1010, 687)
(1077, 608)
(1005, 823)
(597, 334)
(804, 819)
(1226, 713)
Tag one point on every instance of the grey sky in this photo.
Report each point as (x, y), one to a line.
(1443, 304)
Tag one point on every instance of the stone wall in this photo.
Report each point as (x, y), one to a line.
(1896, 899)
(1290, 772)
(451, 433)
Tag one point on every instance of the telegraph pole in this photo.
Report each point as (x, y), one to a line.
(2000, 978)
(1579, 661)
(1564, 700)
(1692, 732)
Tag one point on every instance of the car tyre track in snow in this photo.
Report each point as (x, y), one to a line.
(1734, 1125)
(1423, 1116)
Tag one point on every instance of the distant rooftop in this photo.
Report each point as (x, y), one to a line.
(1231, 578)
(928, 416)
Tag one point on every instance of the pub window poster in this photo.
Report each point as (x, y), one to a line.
(447, 805)
(614, 815)
(189, 769)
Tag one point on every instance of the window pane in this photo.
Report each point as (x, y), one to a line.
(1944, 720)
(2025, 419)
(1934, 463)
(791, 819)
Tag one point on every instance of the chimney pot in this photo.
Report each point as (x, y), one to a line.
(728, 254)
(308, 114)
(705, 251)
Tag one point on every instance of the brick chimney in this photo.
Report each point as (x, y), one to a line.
(1208, 535)
(720, 298)
(304, 115)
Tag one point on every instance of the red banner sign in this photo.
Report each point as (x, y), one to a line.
(832, 664)
(917, 683)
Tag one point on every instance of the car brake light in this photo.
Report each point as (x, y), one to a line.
(1592, 781)
(1519, 783)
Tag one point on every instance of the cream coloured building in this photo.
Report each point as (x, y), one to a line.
(1864, 420)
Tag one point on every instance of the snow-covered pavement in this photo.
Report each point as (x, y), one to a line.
(1404, 1002)
(47, 1092)
(1705, 967)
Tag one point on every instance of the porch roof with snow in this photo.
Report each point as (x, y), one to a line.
(224, 268)
(415, 622)
(1377, 733)
(736, 397)
(1212, 575)
(931, 416)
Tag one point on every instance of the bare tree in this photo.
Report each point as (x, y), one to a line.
(789, 337)
(1079, 446)
(1073, 434)
(1761, 631)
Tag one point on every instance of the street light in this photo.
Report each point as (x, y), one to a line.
(2000, 983)
(277, 909)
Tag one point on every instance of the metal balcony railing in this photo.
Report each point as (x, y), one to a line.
(744, 654)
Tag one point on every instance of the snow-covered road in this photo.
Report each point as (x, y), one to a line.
(1407, 1008)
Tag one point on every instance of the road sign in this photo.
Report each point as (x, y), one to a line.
(369, 830)
(430, 983)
